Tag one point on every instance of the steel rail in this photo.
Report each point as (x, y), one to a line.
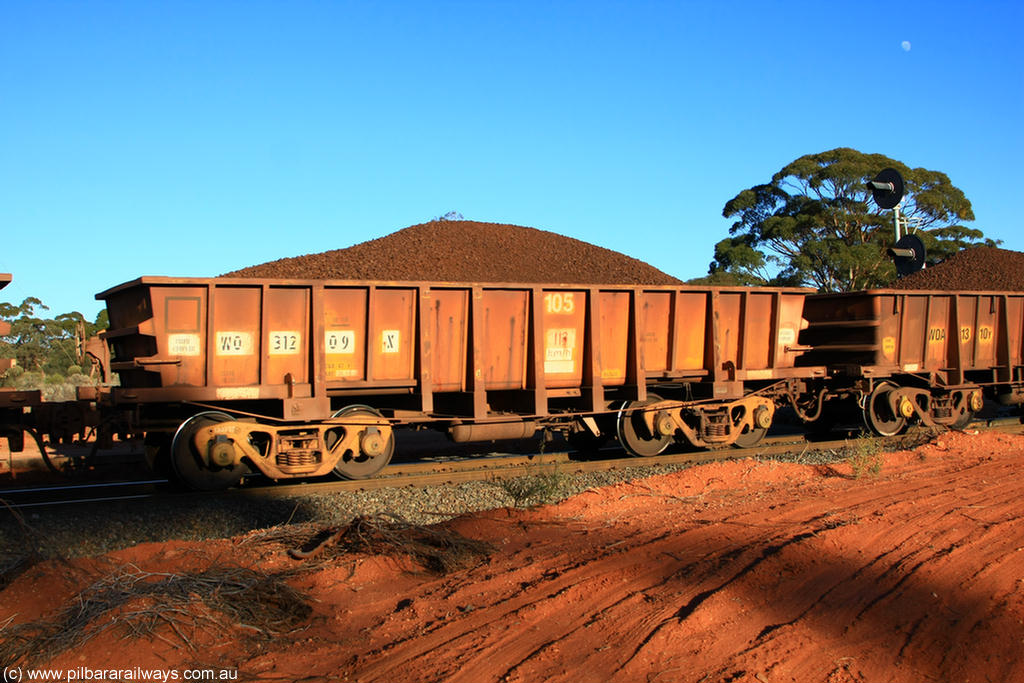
(455, 471)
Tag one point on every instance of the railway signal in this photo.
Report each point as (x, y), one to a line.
(907, 251)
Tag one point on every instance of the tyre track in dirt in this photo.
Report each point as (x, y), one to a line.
(664, 600)
(735, 571)
(867, 593)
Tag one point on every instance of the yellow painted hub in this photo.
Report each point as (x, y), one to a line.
(372, 444)
(222, 452)
(976, 402)
(905, 407)
(763, 418)
(665, 425)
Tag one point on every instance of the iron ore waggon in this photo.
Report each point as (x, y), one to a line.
(298, 378)
(302, 378)
(926, 356)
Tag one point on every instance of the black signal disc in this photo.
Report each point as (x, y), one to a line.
(905, 265)
(887, 197)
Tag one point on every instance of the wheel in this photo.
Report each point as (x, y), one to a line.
(969, 406)
(187, 466)
(750, 438)
(752, 435)
(360, 465)
(963, 419)
(878, 416)
(633, 433)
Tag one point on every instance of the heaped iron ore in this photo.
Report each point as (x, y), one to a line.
(467, 251)
(973, 269)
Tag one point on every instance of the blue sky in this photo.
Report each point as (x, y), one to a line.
(194, 138)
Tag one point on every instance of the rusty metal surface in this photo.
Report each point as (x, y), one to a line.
(503, 347)
(718, 424)
(893, 331)
(15, 398)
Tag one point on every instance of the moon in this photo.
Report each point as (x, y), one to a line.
(905, 45)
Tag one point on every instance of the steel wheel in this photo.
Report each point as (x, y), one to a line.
(750, 438)
(632, 431)
(188, 467)
(360, 465)
(878, 416)
(971, 402)
(963, 419)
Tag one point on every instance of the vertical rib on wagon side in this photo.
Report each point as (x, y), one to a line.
(481, 361)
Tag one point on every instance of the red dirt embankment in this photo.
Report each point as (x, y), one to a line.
(467, 251)
(740, 571)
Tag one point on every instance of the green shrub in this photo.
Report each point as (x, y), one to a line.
(532, 489)
(866, 457)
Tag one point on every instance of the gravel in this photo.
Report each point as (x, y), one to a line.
(441, 251)
(103, 527)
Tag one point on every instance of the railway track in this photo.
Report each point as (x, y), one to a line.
(463, 469)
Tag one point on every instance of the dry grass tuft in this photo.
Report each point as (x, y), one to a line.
(33, 549)
(532, 489)
(432, 548)
(138, 603)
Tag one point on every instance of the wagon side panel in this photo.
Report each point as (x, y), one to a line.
(344, 312)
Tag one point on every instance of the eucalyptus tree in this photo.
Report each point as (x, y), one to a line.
(814, 224)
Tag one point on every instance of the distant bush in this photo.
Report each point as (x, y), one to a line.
(53, 387)
(29, 381)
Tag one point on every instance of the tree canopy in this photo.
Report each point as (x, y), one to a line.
(815, 224)
(44, 345)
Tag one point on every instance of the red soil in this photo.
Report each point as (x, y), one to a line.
(740, 571)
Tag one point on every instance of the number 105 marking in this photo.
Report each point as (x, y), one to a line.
(559, 302)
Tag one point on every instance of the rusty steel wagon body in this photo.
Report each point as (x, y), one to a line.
(925, 355)
(305, 377)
